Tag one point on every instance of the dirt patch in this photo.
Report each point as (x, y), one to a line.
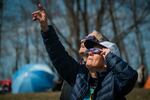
(135, 94)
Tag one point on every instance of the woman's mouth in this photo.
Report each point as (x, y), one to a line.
(90, 59)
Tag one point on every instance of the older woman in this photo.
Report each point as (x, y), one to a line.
(114, 77)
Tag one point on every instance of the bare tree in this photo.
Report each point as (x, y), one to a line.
(139, 20)
(139, 36)
(25, 17)
(79, 17)
(115, 28)
(1, 18)
(1, 22)
(73, 21)
(100, 15)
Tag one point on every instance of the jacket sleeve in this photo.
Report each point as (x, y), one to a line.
(125, 76)
(65, 65)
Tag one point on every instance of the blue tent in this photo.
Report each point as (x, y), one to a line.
(32, 78)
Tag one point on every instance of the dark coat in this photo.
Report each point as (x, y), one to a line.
(65, 91)
(113, 84)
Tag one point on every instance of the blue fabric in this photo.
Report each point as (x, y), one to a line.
(113, 84)
(27, 79)
(32, 82)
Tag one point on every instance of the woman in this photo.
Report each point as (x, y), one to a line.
(114, 79)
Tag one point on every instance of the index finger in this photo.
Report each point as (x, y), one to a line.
(39, 6)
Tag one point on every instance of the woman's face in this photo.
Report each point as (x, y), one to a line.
(95, 60)
(82, 49)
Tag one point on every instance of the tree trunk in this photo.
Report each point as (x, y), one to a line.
(139, 36)
(115, 29)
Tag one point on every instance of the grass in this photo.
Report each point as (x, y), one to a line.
(31, 96)
(135, 94)
(139, 94)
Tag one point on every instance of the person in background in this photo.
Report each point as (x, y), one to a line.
(66, 88)
(114, 77)
(142, 76)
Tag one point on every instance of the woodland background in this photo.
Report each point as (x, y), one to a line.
(125, 22)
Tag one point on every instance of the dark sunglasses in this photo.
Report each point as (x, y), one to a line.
(95, 50)
(93, 38)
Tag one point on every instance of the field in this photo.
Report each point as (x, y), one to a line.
(135, 94)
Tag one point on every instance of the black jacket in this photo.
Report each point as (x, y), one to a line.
(113, 84)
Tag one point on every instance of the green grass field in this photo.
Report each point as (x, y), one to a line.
(135, 94)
